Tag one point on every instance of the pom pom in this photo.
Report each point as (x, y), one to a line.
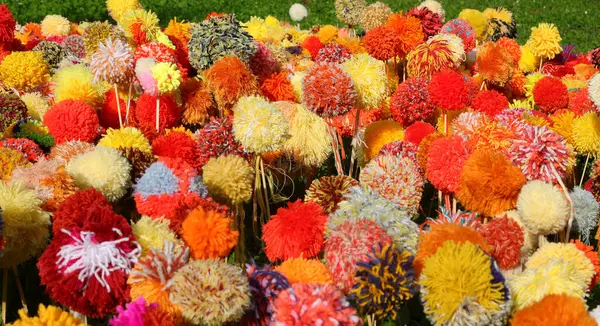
(580, 102)
(104, 169)
(131, 315)
(349, 244)
(112, 62)
(307, 271)
(198, 104)
(416, 132)
(313, 45)
(506, 238)
(258, 125)
(210, 292)
(77, 205)
(27, 148)
(127, 137)
(152, 234)
(72, 120)
(55, 25)
(490, 102)
(109, 115)
(278, 88)
(554, 310)
(489, 183)
(375, 15)
(542, 207)
(229, 179)
(168, 77)
(460, 284)
(216, 139)
(66, 151)
(328, 90)
(37, 105)
(24, 70)
(150, 279)
(431, 22)
(77, 83)
(411, 102)
(570, 255)
(329, 191)
(379, 134)
(145, 112)
(349, 11)
(48, 315)
(177, 144)
(265, 285)
(333, 53)
(445, 160)
(409, 29)
(462, 29)
(550, 95)
(593, 89)
(429, 58)
(52, 53)
(477, 20)
(544, 41)
(440, 234)
(310, 141)
(307, 304)
(298, 12)
(585, 209)
(383, 43)
(494, 63)
(26, 225)
(208, 234)
(216, 38)
(12, 109)
(369, 79)
(7, 25)
(396, 179)
(586, 134)
(305, 221)
(449, 90)
(384, 281)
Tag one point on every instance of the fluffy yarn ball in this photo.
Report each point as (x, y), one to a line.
(585, 209)
(554, 310)
(47, 315)
(310, 141)
(411, 102)
(328, 90)
(127, 137)
(208, 234)
(258, 125)
(12, 109)
(429, 58)
(72, 120)
(112, 62)
(494, 63)
(586, 134)
(542, 207)
(55, 25)
(449, 90)
(445, 160)
(24, 70)
(295, 231)
(229, 79)
(145, 112)
(329, 191)
(229, 179)
(490, 102)
(369, 79)
(550, 95)
(77, 83)
(103, 168)
(307, 271)
(506, 238)
(544, 41)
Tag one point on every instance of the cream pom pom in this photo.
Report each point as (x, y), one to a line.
(298, 12)
(26, 225)
(435, 7)
(594, 89)
(542, 207)
(55, 25)
(310, 142)
(103, 168)
(229, 179)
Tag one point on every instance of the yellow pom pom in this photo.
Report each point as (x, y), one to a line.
(478, 20)
(500, 13)
(258, 125)
(118, 8)
(586, 134)
(128, 137)
(37, 105)
(229, 179)
(530, 82)
(103, 168)
(310, 142)
(148, 22)
(50, 315)
(327, 34)
(296, 81)
(55, 25)
(568, 253)
(24, 70)
(544, 41)
(77, 83)
(152, 233)
(168, 77)
(179, 30)
(562, 123)
(10, 160)
(521, 104)
(369, 78)
(26, 225)
(379, 134)
(528, 61)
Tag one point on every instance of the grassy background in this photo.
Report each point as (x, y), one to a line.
(575, 20)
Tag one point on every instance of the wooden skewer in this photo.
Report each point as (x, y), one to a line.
(118, 106)
(587, 159)
(4, 293)
(157, 113)
(128, 105)
(20, 289)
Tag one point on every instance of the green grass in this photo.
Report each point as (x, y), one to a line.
(576, 21)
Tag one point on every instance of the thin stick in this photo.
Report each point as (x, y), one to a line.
(128, 105)
(454, 203)
(354, 142)
(157, 111)
(587, 159)
(20, 289)
(264, 182)
(483, 86)
(566, 191)
(4, 294)
(541, 62)
(85, 320)
(445, 122)
(440, 198)
(118, 106)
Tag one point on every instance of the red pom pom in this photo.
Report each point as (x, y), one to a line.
(277, 87)
(417, 131)
(449, 90)
(30, 150)
(383, 43)
(550, 95)
(431, 22)
(145, 112)
(328, 90)
(490, 102)
(74, 207)
(7, 25)
(506, 237)
(312, 44)
(61, 267)
(411, 102)
(262, 62)
(216, 139)
(109, 115)
(580, 103)
(333, 53)
(445, 160)
(295, 231)
(72, 120)
(177, 144)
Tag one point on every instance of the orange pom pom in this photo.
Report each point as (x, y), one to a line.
(208, 234)
(554, 310)
(308, 271)
(229, 79)
(278, 87)
(440, 233)
(495, 64)
(198, 103)
(410, 31)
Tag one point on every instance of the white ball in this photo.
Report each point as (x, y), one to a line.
(594, 89)
(298, 12)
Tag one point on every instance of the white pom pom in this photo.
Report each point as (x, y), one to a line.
(298, 12)
(594, 89)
